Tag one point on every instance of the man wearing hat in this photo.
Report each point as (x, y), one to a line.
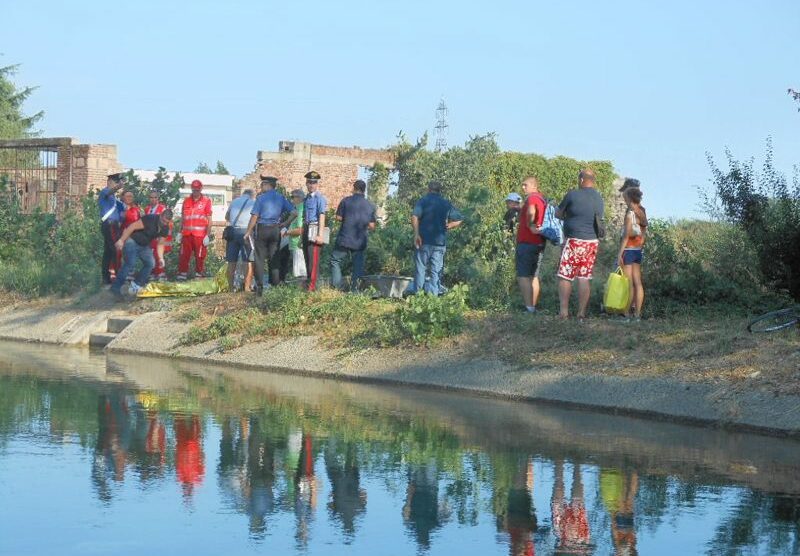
(271, 213)
(195, 231)
(513, 206)
(315, 206)
(111, 213)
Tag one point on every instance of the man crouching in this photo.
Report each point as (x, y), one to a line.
(135, 244)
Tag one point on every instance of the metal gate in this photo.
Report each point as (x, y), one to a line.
(30, 175)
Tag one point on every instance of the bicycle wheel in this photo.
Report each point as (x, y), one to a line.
(774, 321)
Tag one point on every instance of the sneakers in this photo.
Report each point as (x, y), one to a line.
(134, 289)
(181, 277)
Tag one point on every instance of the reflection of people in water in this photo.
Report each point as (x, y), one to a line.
(113, 442)
(618, 491)
(518, 518)
(348, 499)
(570, 521)
(422, 512)
(305, 491)
(189, 464)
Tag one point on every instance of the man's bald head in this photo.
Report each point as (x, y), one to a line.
(587, 178)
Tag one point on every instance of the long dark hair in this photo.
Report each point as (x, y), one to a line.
(634, 194)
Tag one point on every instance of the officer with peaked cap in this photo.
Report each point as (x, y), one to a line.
(313, 220)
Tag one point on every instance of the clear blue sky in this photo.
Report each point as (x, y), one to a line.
(651, 88)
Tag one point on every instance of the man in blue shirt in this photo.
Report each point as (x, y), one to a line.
(271, 212)
(433, 215)
(238, 217)
(313, 218)
(111, 213)
(357, 215)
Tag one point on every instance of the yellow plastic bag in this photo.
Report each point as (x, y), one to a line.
(206, 286)
(617, 298)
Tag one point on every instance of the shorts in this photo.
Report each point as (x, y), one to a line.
(577, 259)
(632, 256)
(237, 248)
(528, 257)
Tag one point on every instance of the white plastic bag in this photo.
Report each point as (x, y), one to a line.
(298, 264)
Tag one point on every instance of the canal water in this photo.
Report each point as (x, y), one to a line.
(127, 455)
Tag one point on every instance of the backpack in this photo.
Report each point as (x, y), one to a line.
(551, 226)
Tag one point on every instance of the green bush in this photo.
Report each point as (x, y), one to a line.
(427, 317)
(44, 256)
(767, 208)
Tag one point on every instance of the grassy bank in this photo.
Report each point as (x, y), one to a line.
(699, 345)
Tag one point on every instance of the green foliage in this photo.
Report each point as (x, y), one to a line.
(203, 168)
(476, 178)
(694, 263)
(427, 317)
(48, 256)
(14, 123)
(767, 208)
(378, 184)
(168, 189)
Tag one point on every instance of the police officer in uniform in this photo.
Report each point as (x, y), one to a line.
(315, 206)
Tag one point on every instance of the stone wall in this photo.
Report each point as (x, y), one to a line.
(338, 166)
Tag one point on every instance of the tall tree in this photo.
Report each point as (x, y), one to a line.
(221, 169)
(14, 123)
(203, 168)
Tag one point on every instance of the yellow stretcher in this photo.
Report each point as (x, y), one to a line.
(206, 286)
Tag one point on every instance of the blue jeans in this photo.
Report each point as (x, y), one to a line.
(338, 257)
(130, 252)
(429, 259)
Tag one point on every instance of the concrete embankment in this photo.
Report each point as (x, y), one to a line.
(155, 334)
(717, 404)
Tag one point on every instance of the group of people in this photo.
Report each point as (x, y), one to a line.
(132, 234)
(268, 233)
(582, 214)
(277, 232)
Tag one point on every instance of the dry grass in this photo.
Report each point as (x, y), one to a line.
(693, 348)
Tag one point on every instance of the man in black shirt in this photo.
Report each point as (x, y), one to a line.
(357, 215)
(135, 244)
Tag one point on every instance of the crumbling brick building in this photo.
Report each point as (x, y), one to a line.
(338, 166)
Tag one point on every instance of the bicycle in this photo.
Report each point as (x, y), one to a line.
(775, 320)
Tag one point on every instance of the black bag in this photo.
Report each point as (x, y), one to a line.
(227, 233)
(599, 227)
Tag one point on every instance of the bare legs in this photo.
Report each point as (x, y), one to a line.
(529, 287)
(565, 291)
(634, 275)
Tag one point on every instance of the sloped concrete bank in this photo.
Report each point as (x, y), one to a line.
(718, 404)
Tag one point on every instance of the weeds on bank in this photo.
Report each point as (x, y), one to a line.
(342, 320)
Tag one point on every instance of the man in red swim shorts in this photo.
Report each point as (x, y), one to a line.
(580, 210)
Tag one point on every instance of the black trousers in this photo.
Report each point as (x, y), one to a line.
(267, 244)
(110, 231)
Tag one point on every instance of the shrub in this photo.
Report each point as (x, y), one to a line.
(426, 317)
(767, 208)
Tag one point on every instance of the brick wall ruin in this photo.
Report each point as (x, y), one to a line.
(338, 166)
(54, 173)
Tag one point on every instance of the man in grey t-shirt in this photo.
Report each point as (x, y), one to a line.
(579, 210)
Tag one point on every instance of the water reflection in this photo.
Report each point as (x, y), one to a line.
(312, 465)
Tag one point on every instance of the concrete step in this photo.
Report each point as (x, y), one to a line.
(101, 339)
(118, 324)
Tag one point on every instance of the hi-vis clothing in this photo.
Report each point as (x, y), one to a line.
(195, 219)
(195, 216)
